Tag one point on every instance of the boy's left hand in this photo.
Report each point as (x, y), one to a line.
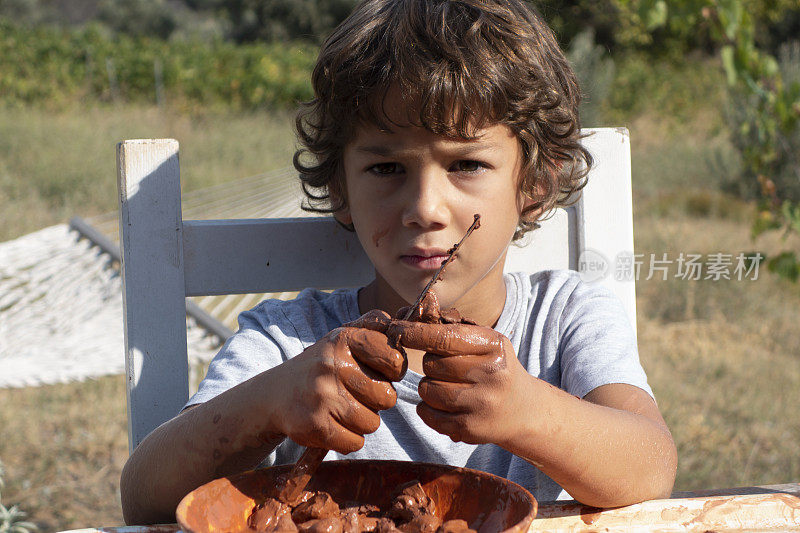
(474, 385)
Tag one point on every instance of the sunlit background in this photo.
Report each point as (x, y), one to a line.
(709, 89)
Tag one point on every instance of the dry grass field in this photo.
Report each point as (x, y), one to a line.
(57, 164)
(722, 356)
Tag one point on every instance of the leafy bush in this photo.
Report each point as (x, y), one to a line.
(52, 66)
(595, 70)
(764, 117)
(769, 142)
(139, 17)
(281, 20)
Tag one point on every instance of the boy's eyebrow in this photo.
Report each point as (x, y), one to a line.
(461, 150)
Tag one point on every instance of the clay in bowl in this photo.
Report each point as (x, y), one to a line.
(488, 503)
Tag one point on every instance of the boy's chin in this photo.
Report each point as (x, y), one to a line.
(446, 300)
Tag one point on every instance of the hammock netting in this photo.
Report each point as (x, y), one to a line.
(61, 297)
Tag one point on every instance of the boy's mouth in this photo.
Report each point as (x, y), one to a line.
(424, 260)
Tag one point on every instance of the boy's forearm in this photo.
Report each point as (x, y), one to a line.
(209, 441)
(602, 456)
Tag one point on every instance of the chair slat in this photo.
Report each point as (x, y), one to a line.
(151, 246)
(254, 256)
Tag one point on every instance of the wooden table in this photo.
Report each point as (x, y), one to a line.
(765, 508)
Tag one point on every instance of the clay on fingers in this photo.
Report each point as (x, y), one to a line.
(374, 349)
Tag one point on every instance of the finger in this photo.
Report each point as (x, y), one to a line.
(427, 311)
(462, 368)
(354, 416)
(373, 349)
(330, 434)
(367, 387)
(375, 320)
(446, 339)
(450, 424)
(445, 396)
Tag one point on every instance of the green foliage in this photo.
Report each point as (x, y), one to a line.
(670, 89)
(677, 26)
(595, 71)
(786, 265)
(11, 521)
(11, 518)
(569, 18)
(26, 11)
(52, 66)
(280, 20)
(153, 18)
(764, 116)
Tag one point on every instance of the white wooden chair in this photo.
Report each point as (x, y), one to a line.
(166, 259)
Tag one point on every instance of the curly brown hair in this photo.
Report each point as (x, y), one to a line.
(466, 64)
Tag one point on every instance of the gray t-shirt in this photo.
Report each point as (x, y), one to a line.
(572, 334)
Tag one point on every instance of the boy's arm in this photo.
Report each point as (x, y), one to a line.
(327, 396)
(204, 442)
(609, 449)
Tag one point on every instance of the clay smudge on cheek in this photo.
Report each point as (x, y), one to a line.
(378, 235)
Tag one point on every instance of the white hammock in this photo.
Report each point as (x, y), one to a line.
(61, 298)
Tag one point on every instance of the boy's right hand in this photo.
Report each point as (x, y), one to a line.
(331, 392)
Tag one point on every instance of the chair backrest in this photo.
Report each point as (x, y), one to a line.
(165, 259)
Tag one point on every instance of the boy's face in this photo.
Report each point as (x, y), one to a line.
(411, 196)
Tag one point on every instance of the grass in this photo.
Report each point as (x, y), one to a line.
(57, 164)
(63, 447)
(722, 356)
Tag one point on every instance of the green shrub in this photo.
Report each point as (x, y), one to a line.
(670, 89)
(751, 129)
(56, 67)
(595, 70)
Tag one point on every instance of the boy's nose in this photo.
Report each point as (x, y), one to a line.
(426, 204)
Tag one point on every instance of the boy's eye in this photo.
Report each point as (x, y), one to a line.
(468, 166)
(384, 169)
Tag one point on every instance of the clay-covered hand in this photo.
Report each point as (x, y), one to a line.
(474, 384)
(330, 393)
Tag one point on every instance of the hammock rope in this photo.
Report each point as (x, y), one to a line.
(61, 297)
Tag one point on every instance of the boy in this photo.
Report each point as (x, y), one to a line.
(427, 112)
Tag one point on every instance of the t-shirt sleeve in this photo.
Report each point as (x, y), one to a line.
(597, 343)
(265, 339)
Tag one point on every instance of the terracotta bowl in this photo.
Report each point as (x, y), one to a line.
(487, 502)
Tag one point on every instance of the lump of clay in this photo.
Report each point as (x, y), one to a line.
(410, 511)
(320, 505)
(354, 521)
(456, 526)
(269, 515)
(285, 524)
(331, 524)
(411, 502)
(386, 525)
(425, 523)
(429, 312)
(362, 508)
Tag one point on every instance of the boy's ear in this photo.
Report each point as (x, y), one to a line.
(337, 197)
(527, 202)
(343, 216)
